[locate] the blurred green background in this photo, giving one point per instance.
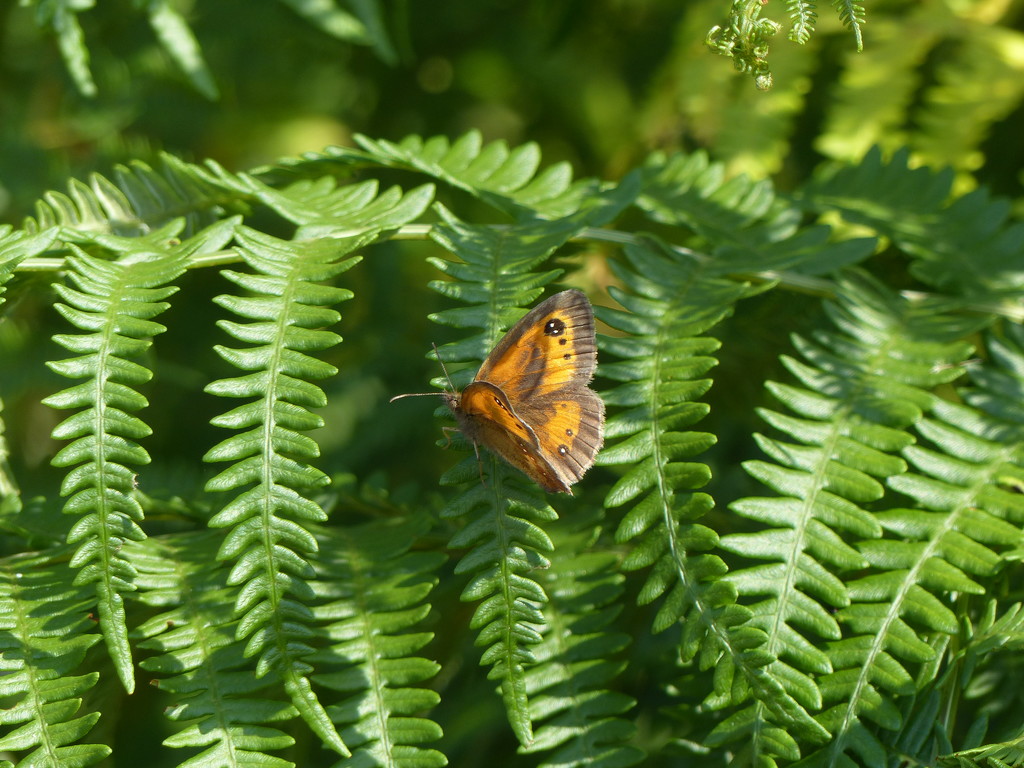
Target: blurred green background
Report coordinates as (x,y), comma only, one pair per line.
(599,83)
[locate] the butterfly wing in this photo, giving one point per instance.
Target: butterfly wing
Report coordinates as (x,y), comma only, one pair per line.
(486,417)
(530,403)
(552,347)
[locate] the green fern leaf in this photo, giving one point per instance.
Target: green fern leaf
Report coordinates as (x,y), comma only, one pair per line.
(964,245)
(372,589)
(15,247)
(364,27)
(138,200)
(862,389)
(803,17)
(181,45)
(505,178)
(502,508)
(670,305)
(322,208)
(42,695)
(62,16)
(113,303)
(270,541)
(751,229)
(579,717)
(226,710)
(851,14)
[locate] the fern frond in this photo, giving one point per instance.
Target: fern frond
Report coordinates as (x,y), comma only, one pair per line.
(751,228)
(505,178)
(505,543)
(113,303)
(136,201)
(363,27)
(966,246)
(320,207)
(579,716)
(15,247)
(62,16)
(851,14)
(373,591)
(45,632)
(976,85)
(269,541)
(227,711)
(671,304)
(181,45)
(802,17)
(861,389)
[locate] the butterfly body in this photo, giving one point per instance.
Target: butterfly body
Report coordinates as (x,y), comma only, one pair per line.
(529,402)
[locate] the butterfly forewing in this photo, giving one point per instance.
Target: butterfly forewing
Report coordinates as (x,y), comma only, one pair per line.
(550,348)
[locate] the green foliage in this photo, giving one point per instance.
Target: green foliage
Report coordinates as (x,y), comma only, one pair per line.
(44,637)
(850,599)
(113,303)
(179,43)
(746,37)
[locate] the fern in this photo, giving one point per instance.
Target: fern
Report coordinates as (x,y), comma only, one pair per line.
(268,542)
(506,179)
(670,304)
(140,201)
(228,712)
(802,17)
(752,229)
(851,14)
(45,633)
(373,591)
(851,613)
(113,303)
(62,15)
(580,718)
(745,36)
(860,391)
(501,512)
(363,27)
(966,246)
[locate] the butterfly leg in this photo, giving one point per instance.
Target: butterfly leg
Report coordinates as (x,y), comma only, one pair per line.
(476,449)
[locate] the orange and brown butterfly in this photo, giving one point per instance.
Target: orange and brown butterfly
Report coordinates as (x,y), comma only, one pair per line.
(529,402)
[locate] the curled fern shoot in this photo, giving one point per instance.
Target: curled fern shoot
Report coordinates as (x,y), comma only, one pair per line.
(269,541)
(113,303)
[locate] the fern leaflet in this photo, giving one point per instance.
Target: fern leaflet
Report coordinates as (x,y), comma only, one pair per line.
(45,632)
(580,718)
(669,305)
(113,303)
(373,589)
(269,541)
(861,389)
(506,543)
(228,711)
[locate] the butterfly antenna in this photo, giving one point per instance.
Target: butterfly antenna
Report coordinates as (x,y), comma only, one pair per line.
(437,354)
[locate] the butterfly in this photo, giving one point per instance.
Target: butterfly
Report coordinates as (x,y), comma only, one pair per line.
(530,404)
